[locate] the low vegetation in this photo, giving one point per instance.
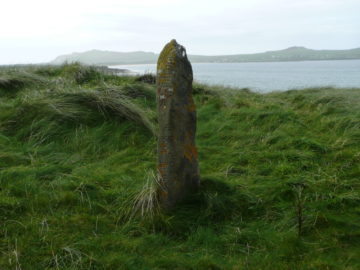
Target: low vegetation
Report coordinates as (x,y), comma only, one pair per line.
(280,176)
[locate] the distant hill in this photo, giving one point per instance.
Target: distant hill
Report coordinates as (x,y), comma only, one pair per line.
(97,57)
(289,54)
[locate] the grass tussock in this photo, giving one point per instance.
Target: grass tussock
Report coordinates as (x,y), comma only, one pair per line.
(11,83)
(279,172)
(109,103)
(145,204)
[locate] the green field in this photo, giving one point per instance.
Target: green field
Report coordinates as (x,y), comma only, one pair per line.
(280,177)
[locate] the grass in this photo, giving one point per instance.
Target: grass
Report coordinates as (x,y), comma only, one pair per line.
(280,177)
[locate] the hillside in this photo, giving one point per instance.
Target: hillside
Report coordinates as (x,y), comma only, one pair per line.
(280,177)
(96,57)
(289,54)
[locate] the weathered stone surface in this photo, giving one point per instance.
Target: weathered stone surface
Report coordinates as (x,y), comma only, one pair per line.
(177,153)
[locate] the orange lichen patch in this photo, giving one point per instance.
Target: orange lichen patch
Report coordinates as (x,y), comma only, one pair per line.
(163,148)
(189,135)
(191,152)
(163,194)
(194,152)
(162,165)
(163,79)
(191,105)
(163,144)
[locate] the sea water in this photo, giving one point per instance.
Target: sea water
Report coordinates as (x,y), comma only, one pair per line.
(271,76)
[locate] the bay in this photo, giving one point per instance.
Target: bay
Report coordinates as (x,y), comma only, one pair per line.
(271,76)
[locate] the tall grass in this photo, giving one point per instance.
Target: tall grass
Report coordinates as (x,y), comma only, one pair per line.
(279,174)
(146,202)
(11,83)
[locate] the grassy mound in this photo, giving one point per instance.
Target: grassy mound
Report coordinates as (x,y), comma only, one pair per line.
(280,177)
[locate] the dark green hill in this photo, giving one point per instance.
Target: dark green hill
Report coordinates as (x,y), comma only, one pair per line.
(97,57)
(280,177)
(290,54)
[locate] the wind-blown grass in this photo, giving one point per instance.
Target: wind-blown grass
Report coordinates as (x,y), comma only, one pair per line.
(11,83)
(280,178)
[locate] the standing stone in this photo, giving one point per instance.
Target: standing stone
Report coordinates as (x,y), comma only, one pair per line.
(177,153)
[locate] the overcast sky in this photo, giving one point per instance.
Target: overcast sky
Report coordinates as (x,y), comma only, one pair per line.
(39,30)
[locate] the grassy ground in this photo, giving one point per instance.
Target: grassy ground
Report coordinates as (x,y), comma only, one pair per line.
(280,176)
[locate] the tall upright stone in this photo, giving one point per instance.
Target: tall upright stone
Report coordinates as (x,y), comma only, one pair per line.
(177,153)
